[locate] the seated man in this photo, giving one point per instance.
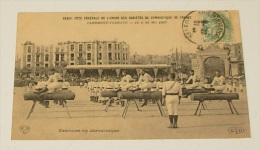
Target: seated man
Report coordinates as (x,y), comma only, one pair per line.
(54,82)
(218,82)
(126,81)
(192,81)
(145,83)
(40,84)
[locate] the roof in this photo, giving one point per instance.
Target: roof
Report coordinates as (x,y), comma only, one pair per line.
(116,66)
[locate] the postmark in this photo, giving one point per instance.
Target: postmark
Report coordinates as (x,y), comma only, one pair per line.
(203,27)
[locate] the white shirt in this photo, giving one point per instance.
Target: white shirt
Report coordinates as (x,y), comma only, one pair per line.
(145,78)
(218,81)
(54,78)
(168,87)
(126,78)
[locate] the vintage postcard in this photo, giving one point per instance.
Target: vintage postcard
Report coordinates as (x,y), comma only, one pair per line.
(129,75)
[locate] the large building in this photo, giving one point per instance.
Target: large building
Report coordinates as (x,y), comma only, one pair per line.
(75,53)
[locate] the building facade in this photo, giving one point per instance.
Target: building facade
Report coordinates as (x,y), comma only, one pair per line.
(75,53)
(228,59)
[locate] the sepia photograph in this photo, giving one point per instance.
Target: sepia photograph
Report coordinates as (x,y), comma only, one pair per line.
(129,76)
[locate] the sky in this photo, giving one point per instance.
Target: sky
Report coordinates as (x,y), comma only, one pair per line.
(156,38)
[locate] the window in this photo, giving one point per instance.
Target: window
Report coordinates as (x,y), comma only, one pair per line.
(72,57)
(80,48)
(100,63)
(100,46)
(89,63)
(28,65)
(110,56)
(80,55)
(89,56)
(57,58)
(29,57)
(118,46)
(38,49)
(72,47)
(71,63)
(109,46)
(46,65)
(37,65)
(115,56)
(62,57)
(29,49)
(46,57)
(99,56)
(115,46)
(89,46)
(123,56)
(56,64)
(119,56)
(37,58)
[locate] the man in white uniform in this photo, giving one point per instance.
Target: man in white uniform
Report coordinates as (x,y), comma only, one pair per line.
(192,81)
(145,83)
(218,82)
(54,82)
(171,93)
(126,81)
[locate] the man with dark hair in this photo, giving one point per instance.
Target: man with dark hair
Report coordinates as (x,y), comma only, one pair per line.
(171,93)
(145,83)
(192,81)
(54,82)
(218,82)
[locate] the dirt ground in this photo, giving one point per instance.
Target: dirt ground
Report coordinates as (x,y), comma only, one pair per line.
(90,122)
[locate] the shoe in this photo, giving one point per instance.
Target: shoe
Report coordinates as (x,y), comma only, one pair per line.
(175,126)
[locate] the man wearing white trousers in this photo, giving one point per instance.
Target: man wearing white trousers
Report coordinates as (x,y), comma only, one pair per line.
(172,92)
(218,82)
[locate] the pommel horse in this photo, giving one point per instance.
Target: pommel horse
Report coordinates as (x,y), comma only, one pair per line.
(134,95)
(201,97)
(62,95)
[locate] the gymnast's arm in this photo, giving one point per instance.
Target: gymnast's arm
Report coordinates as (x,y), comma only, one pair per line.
(190,77)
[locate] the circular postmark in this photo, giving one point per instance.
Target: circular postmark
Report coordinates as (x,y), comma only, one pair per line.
(203,26)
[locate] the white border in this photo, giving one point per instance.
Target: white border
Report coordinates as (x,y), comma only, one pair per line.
(249,18)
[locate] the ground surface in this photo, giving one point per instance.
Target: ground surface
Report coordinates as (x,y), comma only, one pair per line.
(53,123)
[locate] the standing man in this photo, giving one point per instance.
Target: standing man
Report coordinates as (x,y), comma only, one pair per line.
(218,82)
(171,93)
